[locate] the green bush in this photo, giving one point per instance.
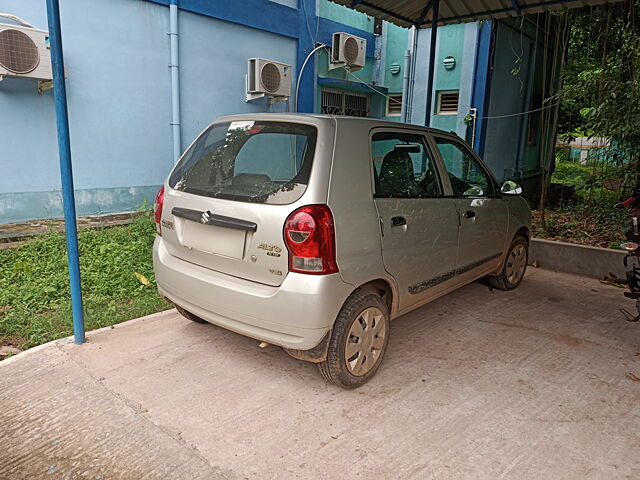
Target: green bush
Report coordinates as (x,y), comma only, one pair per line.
(573,174)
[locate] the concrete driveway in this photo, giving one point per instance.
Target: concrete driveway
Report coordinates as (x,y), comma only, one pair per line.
(479,384)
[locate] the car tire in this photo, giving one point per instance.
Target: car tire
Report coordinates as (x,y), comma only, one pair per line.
(358,341)
(190,315)
(515,265)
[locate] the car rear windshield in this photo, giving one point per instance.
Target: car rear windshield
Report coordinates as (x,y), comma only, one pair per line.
(248,161)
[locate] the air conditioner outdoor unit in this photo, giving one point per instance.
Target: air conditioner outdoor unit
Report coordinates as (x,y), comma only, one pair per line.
(24,52)
(268,78)
(348,51)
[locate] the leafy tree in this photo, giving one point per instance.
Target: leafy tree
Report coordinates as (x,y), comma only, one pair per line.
(600,95)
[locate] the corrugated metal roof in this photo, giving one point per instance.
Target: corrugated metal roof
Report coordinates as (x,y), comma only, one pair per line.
(418,12)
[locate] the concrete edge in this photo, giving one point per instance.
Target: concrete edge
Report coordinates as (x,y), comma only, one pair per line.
(65,340)
(577,259)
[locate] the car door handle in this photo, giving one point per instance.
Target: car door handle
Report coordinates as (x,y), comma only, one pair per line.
(469,214)
(398,221)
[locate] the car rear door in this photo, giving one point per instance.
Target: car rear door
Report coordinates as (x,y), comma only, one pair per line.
(483,214)
(418,223)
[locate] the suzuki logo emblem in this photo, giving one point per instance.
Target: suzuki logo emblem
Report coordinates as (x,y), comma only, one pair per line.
(205,217)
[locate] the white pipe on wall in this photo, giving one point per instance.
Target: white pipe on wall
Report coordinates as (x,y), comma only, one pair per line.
(174,65)
(405,85)
(413,49)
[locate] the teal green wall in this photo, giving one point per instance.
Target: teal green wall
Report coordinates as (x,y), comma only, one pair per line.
(449,45)
(365,75)
(396,46)
(348,16)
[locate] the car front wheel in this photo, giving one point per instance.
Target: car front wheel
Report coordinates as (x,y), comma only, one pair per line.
(358,341)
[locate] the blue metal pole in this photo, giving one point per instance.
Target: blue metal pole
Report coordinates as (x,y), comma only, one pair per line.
(432,61)
(66,174)
(174,65)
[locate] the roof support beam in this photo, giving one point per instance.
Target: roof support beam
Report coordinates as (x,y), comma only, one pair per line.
(516,7)
(424,13)
(432,62)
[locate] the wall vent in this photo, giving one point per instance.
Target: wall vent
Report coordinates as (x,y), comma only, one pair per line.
(447,103)
(394,105)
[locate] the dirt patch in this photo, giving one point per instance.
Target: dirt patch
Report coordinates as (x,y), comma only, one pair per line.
(13,234)
(567,340)
(8,350)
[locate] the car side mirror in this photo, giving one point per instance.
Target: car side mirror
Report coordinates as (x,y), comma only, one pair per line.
(509,187)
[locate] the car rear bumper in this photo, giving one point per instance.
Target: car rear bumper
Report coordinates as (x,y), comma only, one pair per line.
(295,315)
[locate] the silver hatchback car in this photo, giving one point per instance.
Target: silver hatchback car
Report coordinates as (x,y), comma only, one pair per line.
(312,232)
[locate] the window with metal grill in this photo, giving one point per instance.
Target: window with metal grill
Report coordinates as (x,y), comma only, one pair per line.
(344,102)
(447,103)
(394,105)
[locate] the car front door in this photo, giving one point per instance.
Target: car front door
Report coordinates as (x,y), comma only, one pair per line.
(483,215)
(418,223)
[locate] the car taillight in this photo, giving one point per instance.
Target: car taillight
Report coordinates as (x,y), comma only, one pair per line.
(310,238)
(157,209)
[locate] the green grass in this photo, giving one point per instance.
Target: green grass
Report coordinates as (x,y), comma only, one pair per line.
(35,304)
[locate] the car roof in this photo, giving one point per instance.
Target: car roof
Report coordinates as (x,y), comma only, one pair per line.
(293,117)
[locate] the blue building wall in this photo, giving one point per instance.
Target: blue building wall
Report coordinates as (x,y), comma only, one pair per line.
(117,113)
(213,64)
(117,56)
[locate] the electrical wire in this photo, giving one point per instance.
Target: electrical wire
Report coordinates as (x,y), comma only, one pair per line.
(306,20)
(520,113)
(16,19)
(370,87)
(304,64)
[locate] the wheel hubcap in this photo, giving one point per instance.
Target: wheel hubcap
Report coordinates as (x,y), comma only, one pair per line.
(365,341)
(516,263)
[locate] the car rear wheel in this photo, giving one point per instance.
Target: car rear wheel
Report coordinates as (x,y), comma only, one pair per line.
(514,266)
(190,315)
(358,341)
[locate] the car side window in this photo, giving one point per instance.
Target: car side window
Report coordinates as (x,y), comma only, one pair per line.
(468,178)
(403,167)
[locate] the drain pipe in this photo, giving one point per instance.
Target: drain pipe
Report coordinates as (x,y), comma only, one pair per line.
(405,85)
(174,65)
(412,72)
